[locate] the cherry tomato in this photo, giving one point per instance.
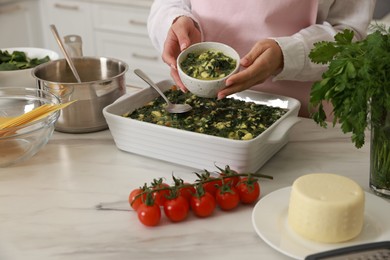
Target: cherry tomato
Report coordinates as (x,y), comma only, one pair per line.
(176,209)
(149,213)
(227,197)
(212,186)
(248,190)
(232,181)
(204,205)
(134,199)
(229,176)
(160,196)
(185,188)
(207,181)
(187,192)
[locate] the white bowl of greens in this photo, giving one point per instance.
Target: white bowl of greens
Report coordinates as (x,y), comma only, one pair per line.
(16,65)
(204,67)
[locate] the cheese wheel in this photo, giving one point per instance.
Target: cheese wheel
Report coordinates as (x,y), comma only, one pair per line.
(326,208)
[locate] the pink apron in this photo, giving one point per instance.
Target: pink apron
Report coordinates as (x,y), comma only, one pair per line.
(243,24)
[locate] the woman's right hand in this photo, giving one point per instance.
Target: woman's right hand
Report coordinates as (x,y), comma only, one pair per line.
(183,33)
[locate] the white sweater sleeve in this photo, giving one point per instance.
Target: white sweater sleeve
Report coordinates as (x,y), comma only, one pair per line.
(161,16)
(337,16)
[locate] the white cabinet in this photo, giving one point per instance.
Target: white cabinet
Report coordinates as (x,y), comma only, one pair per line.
(108,29)
(136,51)
(20,24)
(120,32)
(69,17)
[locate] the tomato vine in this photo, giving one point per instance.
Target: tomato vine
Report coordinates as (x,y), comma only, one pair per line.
(208,192)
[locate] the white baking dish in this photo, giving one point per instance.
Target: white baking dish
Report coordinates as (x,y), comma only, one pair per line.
(197,150)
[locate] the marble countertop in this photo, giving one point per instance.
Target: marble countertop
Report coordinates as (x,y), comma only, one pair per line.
(70,200)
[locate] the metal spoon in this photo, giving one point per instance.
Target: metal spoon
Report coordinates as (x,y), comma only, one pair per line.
(67,57)
(171,108)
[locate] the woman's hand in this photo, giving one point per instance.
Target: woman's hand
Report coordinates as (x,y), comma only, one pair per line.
(264,60)
(182,34)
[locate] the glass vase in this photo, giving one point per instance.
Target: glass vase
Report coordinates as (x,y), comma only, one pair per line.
(380,155)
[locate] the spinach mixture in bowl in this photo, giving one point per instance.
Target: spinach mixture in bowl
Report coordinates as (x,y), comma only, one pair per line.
(228,117)
(208,65)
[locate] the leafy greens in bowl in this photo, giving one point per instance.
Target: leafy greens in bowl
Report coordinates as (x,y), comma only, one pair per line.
(204,67)
(16,65)
(18,60)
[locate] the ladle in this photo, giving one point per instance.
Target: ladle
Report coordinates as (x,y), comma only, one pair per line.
(67,57)
(171,108)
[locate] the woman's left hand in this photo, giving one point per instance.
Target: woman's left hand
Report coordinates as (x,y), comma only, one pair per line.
(264,60)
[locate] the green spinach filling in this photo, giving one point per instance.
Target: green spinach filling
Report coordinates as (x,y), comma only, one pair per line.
(208,65)
(228,117)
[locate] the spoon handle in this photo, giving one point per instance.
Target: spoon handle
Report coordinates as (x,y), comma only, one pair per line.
(67,57)
(143,76)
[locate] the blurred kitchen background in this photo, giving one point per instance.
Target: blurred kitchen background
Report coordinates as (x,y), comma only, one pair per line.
(110,28)
(382,9)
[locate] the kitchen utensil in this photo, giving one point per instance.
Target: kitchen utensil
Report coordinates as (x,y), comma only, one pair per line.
(67,57)
(171,108)
(198,150)
(22,77)
(103,83)
(73,44)
(19,143)
(368,251)
(207,88)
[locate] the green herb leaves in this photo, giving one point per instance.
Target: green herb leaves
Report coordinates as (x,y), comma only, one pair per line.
(325,51)
(357,82)
(18,60)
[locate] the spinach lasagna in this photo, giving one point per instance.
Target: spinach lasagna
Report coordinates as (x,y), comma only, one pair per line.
(228,117)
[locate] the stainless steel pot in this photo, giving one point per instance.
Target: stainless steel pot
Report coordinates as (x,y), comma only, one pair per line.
(103,81)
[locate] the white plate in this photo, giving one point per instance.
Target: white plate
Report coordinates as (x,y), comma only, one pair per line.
(269,218)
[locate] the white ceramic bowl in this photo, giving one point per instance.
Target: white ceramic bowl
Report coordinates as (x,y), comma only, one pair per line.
(20,143)
(206,88)
(24,78)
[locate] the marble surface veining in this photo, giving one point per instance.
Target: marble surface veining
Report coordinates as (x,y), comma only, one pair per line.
(70,200)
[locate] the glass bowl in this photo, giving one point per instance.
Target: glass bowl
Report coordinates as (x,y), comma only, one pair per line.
(20,143)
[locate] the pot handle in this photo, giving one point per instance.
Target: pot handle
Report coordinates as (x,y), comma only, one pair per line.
(73,44)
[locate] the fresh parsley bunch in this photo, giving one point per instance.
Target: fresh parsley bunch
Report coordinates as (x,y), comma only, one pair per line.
(357,82)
